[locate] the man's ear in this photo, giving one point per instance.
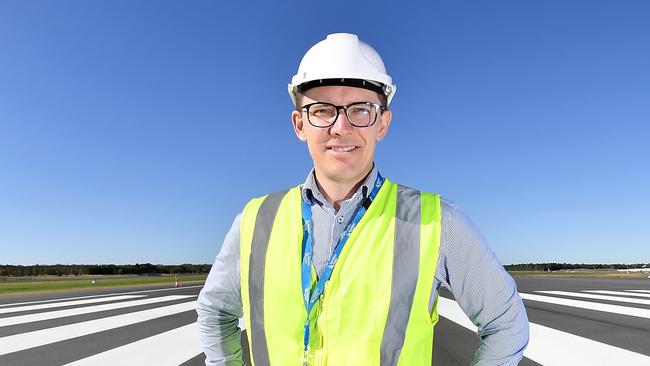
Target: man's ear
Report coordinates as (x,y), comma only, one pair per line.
(298,125)
(384,123)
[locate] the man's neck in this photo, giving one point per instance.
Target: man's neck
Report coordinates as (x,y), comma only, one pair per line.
(336,192)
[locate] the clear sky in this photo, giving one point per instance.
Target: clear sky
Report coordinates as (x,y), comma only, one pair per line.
(135,131)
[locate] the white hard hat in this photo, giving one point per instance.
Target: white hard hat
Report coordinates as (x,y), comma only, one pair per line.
(342,59)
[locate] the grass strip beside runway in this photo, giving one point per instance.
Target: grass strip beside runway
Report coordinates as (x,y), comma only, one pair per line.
(45,284)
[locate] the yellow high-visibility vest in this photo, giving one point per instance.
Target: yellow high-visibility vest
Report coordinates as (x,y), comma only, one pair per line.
(377,307)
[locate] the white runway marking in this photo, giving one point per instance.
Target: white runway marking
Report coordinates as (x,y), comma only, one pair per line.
(169,348)
(452,311)
(19,342)
(21,319)
(160,289)
(67,303)
(619,293)
(549,346)
(597,297)
(54,300)
(616,309)
(94,296)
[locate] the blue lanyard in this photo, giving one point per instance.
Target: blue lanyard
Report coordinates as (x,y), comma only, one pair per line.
(311,297)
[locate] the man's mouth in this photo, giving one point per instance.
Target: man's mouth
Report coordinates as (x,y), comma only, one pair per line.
(341,148)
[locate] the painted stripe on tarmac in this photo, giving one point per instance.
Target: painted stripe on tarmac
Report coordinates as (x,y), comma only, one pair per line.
(21,319)
(646,291)
(171,348)
(452,311)
(22,341)
(616,309)
(618,293)
(94,296)
(597,297)
(54,300)
(159,290)
(67,303)
(549,346)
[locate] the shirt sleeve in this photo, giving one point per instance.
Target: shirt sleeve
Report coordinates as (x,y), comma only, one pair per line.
(483,289)
(219,305)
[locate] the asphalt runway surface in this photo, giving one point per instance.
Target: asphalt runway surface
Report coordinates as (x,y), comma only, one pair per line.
(573,321)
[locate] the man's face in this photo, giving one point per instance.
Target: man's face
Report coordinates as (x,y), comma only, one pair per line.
(341,153)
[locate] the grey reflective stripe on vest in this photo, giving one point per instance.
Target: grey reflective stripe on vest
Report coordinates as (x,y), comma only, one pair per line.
(261,234)
(406,264)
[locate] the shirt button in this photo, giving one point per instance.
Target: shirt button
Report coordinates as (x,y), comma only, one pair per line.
(340,219)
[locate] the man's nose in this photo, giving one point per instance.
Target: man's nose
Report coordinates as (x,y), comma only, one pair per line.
(341,124)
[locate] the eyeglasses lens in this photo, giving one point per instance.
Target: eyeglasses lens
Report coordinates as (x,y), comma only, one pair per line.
(359,114)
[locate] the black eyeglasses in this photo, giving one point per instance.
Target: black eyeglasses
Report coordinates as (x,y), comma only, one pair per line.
(360,114)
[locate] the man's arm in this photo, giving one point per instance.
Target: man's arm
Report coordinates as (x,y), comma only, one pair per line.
(483,289)
(219,305)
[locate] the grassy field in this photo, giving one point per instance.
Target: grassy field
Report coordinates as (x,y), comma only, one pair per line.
(596,274)
(16,285)
(19,285)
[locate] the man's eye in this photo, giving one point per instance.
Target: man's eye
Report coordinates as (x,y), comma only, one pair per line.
(361,110)
(323,111)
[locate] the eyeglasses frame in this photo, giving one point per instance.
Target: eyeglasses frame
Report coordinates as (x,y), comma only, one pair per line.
(380,108)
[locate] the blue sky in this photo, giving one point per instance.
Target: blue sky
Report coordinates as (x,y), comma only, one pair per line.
(134,131)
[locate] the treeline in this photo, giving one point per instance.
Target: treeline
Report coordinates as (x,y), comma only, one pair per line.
(160,269)
(546,267)
(101,269)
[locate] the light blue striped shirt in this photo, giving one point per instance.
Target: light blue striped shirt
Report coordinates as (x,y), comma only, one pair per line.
(466,266)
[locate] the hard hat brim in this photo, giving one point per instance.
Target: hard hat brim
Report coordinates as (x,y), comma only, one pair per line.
(356,83)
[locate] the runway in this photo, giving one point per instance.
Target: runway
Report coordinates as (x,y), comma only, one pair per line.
(573,321)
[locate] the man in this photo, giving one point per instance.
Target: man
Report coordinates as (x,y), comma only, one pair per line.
(345,269)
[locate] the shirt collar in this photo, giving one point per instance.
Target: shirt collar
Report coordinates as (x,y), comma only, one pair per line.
(311,194)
